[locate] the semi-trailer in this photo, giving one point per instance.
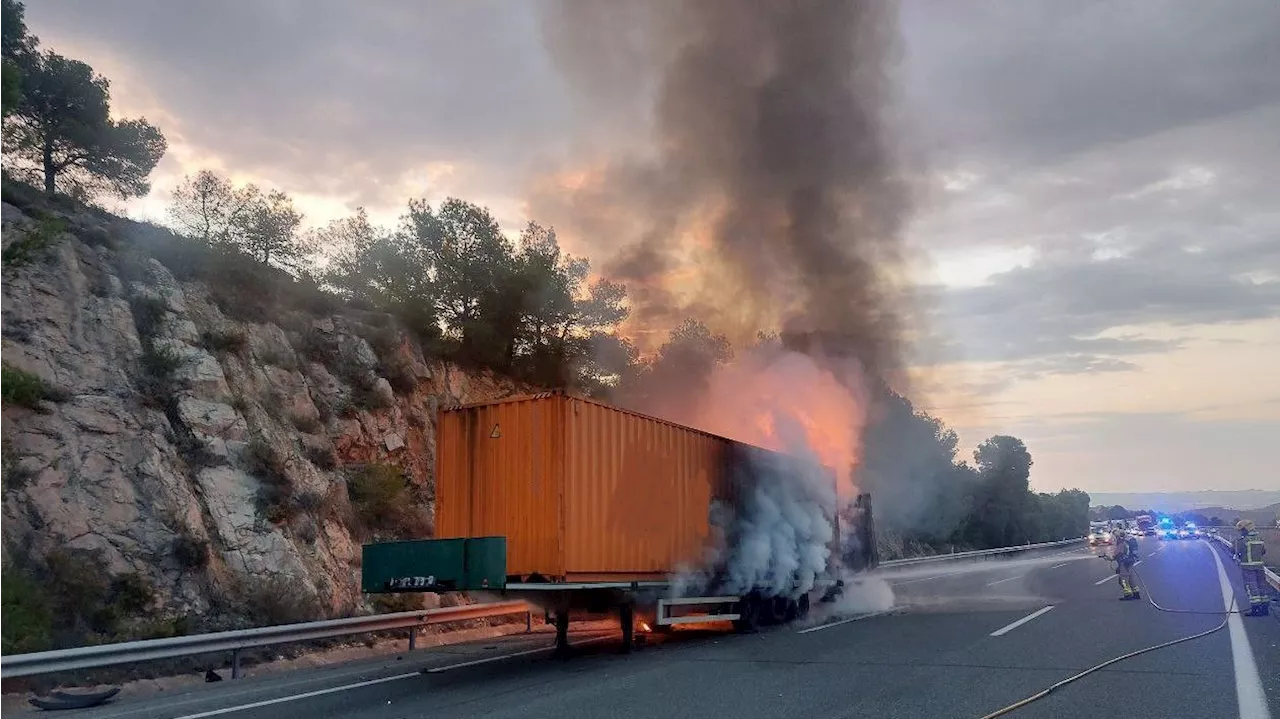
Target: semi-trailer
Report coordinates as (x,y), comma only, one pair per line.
(576,505)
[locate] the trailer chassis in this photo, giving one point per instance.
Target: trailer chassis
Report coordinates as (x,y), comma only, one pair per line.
(746,612)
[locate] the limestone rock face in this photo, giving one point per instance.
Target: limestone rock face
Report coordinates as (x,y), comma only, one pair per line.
(132,460)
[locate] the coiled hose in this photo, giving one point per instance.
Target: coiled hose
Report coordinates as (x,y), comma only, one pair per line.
(1225,613)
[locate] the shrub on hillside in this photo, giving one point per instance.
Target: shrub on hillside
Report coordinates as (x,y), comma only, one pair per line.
(276,493)
(25,389)
(35,243)
(279,600)
(385,503)
(28,619)
(229,341)
(191,551)
(77,602)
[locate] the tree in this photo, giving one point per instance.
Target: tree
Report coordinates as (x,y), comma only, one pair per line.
(911,467)
(272,231)
(1117,513)
(208,207)
(263,226)
(1003,503)
(15,42)
(559,318)
(387,270)
(61,128)
(678,373)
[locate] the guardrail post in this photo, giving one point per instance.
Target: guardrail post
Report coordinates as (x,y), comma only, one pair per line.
(528,621)
(413,638)
(235,663)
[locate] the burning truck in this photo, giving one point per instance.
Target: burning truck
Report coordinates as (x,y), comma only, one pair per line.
(580,507)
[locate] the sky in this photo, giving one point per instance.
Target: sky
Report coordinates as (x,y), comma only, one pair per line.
(1095,229)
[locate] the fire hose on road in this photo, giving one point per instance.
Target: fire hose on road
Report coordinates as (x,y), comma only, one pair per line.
(1224,613)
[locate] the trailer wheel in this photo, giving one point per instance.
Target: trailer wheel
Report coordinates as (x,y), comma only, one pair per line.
(777,610)
(748,613)
(802,606)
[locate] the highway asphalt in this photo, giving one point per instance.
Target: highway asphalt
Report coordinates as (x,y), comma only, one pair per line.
(962,641)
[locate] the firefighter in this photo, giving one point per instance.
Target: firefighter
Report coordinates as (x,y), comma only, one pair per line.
(1250,550)
(1125,556)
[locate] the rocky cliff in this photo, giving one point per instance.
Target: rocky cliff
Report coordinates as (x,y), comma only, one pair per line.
(193,447)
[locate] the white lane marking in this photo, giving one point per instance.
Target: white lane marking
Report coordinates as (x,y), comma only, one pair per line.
(1006,579)
(304,695)
(1060,565)
(829,625)
(1152,554)
(526,652)
(1010,627)
(922,579)
(1104,580)
(1249,695)
(371,682)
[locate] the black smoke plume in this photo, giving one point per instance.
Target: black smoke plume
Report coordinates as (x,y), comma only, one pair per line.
(769,198)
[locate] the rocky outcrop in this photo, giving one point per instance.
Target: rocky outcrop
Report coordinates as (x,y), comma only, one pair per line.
(196,449)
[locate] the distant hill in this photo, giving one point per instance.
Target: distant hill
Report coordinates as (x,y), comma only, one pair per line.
(1263,517)
(1225,501)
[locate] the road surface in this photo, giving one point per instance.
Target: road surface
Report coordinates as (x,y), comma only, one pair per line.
(961,642)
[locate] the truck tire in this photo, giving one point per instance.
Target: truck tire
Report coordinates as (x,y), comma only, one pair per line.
(748,614)
(777,610)
(802,606)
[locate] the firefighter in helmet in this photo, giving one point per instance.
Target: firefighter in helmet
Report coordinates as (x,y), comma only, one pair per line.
(1125,556)
(1250,549)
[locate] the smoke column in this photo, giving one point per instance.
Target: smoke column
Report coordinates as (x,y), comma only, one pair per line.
(767,199)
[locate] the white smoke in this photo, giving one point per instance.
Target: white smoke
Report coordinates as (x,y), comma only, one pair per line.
(776,537)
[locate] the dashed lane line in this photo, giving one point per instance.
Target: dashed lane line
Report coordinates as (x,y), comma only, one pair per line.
(829,625)
(1007,579)
(304,695)
(371,682)
(1010,627)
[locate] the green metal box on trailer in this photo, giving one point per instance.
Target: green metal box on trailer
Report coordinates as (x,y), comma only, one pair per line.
(434,565)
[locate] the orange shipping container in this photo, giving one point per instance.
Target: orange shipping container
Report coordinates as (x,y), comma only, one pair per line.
(581,490)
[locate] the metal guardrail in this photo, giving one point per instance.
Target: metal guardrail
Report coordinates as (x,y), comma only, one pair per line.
(977,553)
(105,655)
(1272,578)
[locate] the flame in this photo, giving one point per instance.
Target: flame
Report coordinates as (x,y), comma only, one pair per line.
(786,402)
(644,626)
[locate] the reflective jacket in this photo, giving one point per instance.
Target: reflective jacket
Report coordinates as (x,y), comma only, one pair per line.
(1251,550)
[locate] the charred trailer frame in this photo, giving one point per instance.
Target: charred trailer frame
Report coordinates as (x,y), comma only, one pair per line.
(575,505)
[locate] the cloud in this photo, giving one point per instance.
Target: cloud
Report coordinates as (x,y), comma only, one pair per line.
(1034,81)
(1154,451)
(345,100)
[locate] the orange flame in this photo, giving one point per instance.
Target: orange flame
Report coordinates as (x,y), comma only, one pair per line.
(787,403)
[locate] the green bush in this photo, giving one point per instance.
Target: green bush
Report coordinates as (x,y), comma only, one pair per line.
(385,504)
(275,497)
(28,620)
(148,315)
(35,243)
(229,341)
(190,551)
(277,600)
(377,491)
(160,364)
(25,389)
(321,456)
